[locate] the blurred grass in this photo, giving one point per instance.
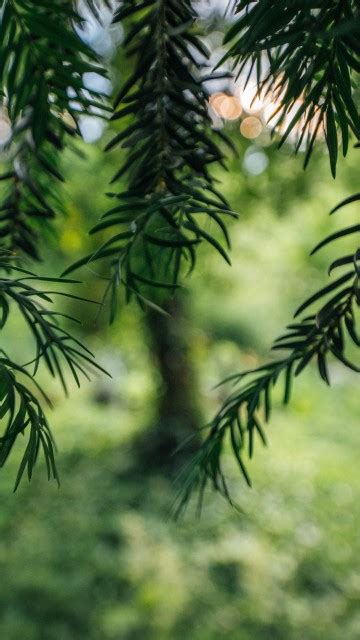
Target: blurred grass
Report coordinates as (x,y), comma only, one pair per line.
(100,559)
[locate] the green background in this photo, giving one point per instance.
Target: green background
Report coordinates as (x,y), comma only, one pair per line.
(100,558)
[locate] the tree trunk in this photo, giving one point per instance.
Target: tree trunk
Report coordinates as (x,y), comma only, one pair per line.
(178,416)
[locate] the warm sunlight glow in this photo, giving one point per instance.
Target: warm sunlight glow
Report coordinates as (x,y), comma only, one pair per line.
(262,113)
(225,106)
(250,101)
(251,127)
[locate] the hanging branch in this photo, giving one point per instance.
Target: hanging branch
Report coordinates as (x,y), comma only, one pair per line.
(305,55)
(157,222)
(20,407)
(315,337)
(22,411)
(42,64)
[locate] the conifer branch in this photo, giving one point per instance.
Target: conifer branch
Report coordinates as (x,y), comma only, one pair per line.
(316,337)
(157,222)
(43,61)
(306,57)
(42,65)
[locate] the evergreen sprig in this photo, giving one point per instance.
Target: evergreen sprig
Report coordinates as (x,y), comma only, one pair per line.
(314,337)
(21,409)
(306,56)
(157,222)
(42,65)
(29,198)
(43,62)
(55,346)
(41,40)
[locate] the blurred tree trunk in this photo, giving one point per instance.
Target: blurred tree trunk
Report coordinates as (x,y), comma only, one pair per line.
(178,415)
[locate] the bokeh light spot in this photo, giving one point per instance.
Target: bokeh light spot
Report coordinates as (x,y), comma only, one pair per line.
(255,161)
(225,106)
(251,127)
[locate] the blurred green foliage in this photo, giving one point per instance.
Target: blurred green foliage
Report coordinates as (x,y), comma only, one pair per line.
(100,558)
